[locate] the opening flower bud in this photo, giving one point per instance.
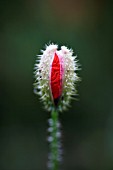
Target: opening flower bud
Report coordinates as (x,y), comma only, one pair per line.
(55,77)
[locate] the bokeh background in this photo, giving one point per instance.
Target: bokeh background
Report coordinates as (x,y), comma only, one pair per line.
(87,127)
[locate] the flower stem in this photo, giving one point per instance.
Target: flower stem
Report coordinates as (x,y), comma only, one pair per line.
(54,141)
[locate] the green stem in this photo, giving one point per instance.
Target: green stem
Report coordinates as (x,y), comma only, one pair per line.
(54,140)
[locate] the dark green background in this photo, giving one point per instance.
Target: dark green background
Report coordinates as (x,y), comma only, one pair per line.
(25,27)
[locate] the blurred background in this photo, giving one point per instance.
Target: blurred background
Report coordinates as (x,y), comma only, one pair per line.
(87,127)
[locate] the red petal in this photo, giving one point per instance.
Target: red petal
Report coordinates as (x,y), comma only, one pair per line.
(56,83)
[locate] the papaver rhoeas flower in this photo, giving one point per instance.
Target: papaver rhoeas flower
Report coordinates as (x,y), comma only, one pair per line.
(56,76)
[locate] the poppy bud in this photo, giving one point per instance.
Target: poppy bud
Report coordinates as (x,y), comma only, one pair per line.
(55,77)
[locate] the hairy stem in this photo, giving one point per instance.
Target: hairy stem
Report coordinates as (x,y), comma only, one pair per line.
(54,139)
